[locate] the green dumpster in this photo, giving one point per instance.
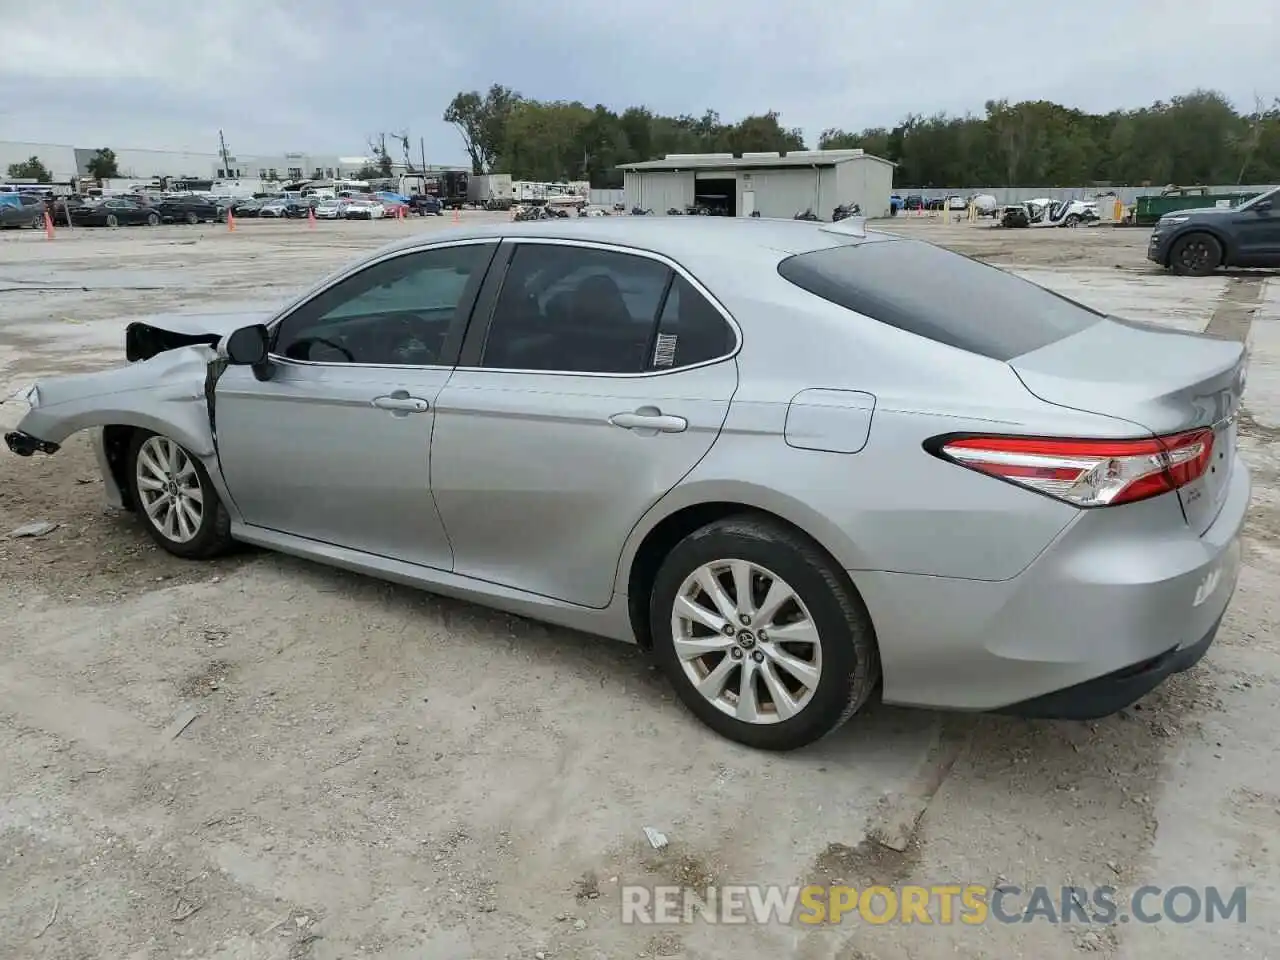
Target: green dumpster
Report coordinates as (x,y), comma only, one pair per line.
(1152,207)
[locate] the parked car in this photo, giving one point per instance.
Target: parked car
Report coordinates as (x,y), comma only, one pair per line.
(278,208)
(672,432)
(1197,242)
(331,209)
(190,208)
(21,210)
(115,212)
(427,205)
(394,208)
(247,207)
(957,203)
(364,210)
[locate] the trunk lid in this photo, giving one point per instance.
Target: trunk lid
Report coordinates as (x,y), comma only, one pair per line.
(1164,381)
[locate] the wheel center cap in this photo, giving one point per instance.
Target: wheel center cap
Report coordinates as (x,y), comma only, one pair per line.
(746,639)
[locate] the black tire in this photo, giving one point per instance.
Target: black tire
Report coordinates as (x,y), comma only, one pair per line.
(213,534)
(37,223)
(192,218)
(1073,220)
(112,221)
(153,220)
(1195,255)
(850,658)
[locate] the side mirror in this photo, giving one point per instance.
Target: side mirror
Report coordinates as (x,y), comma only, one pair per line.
(1262,206)
(246,347)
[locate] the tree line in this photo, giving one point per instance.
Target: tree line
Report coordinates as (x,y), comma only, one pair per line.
(1197,138)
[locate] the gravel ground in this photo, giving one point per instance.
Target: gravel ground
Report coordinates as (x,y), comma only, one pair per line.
(264,758)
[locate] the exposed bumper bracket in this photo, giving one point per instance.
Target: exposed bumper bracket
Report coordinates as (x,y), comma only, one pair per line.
(24,444)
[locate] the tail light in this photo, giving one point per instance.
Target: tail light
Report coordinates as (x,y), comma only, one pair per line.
(1087,473)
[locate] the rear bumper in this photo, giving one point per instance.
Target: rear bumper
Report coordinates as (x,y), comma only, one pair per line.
(1105,695)
(1122,598)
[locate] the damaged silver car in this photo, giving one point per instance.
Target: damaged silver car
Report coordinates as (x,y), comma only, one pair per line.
(796,460)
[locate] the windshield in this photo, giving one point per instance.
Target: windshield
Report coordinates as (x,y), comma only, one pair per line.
(1269,195)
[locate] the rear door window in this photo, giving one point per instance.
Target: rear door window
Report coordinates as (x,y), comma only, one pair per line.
(940,295)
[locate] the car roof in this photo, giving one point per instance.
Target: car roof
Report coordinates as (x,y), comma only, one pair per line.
(685,238)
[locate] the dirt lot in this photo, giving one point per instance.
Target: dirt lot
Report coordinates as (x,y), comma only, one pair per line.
(375,771)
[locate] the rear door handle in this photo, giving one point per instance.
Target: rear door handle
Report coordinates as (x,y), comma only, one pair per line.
(402,404)
(645,421)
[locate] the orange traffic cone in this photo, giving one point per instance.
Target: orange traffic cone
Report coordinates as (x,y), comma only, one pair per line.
(231,221)
(48,225)
(311,218)
(456,217)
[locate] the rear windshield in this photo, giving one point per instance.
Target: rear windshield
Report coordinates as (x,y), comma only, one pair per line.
(941,295)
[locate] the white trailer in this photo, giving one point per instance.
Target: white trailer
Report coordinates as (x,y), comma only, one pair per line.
(493,190)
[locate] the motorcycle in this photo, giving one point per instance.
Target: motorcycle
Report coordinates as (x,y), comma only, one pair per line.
(641,212)
(807,215)
(846,210)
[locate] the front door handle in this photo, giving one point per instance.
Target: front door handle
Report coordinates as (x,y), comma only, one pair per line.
(649,420)
(401,402)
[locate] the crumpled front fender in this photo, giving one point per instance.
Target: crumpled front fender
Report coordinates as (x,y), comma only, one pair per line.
(166,394)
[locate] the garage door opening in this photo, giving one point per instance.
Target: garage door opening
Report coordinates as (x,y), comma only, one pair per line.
(719,198)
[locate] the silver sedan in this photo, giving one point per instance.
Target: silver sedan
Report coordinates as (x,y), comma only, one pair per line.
(799,462)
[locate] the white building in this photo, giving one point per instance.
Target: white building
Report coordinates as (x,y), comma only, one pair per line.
(775,185)
(66,162)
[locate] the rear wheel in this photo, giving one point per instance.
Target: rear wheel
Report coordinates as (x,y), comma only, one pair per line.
(1073,220)
(192,219)
(153,220)
(761,634)
(1195,255)
(37,222)
(175,499)
(112,221)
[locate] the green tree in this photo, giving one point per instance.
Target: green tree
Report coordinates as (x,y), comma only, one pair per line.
(103,164)
(481,120)
(1197,137)
(32,168)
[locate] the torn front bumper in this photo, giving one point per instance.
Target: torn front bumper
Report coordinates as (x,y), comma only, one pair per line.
(165,395)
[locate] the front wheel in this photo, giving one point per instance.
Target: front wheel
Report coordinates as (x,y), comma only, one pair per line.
(192,219)
(112,221)
(175,499)
(1073,220)
(761,634)
(1195,255)
(153,220)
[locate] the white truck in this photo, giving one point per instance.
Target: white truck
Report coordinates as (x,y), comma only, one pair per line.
(493,191)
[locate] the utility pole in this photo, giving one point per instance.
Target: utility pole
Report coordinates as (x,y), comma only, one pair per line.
(422,146)
(226,157)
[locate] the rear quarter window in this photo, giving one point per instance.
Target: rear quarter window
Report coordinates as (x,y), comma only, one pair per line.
(940,295)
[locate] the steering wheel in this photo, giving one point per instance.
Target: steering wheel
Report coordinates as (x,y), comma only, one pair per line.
(308,341)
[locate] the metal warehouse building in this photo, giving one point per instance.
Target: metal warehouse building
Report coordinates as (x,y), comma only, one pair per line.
(776,185)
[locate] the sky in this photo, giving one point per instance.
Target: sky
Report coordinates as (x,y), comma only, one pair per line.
(322,76)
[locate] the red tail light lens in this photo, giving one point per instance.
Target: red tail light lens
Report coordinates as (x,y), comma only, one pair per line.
(1088,473)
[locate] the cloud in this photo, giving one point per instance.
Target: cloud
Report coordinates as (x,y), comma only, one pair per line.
(323,76)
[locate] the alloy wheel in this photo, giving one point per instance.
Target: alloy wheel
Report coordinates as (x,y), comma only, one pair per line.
(1195,255)
(169,488)
(746,641)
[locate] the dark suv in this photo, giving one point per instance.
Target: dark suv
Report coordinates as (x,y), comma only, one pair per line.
(1194,243)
